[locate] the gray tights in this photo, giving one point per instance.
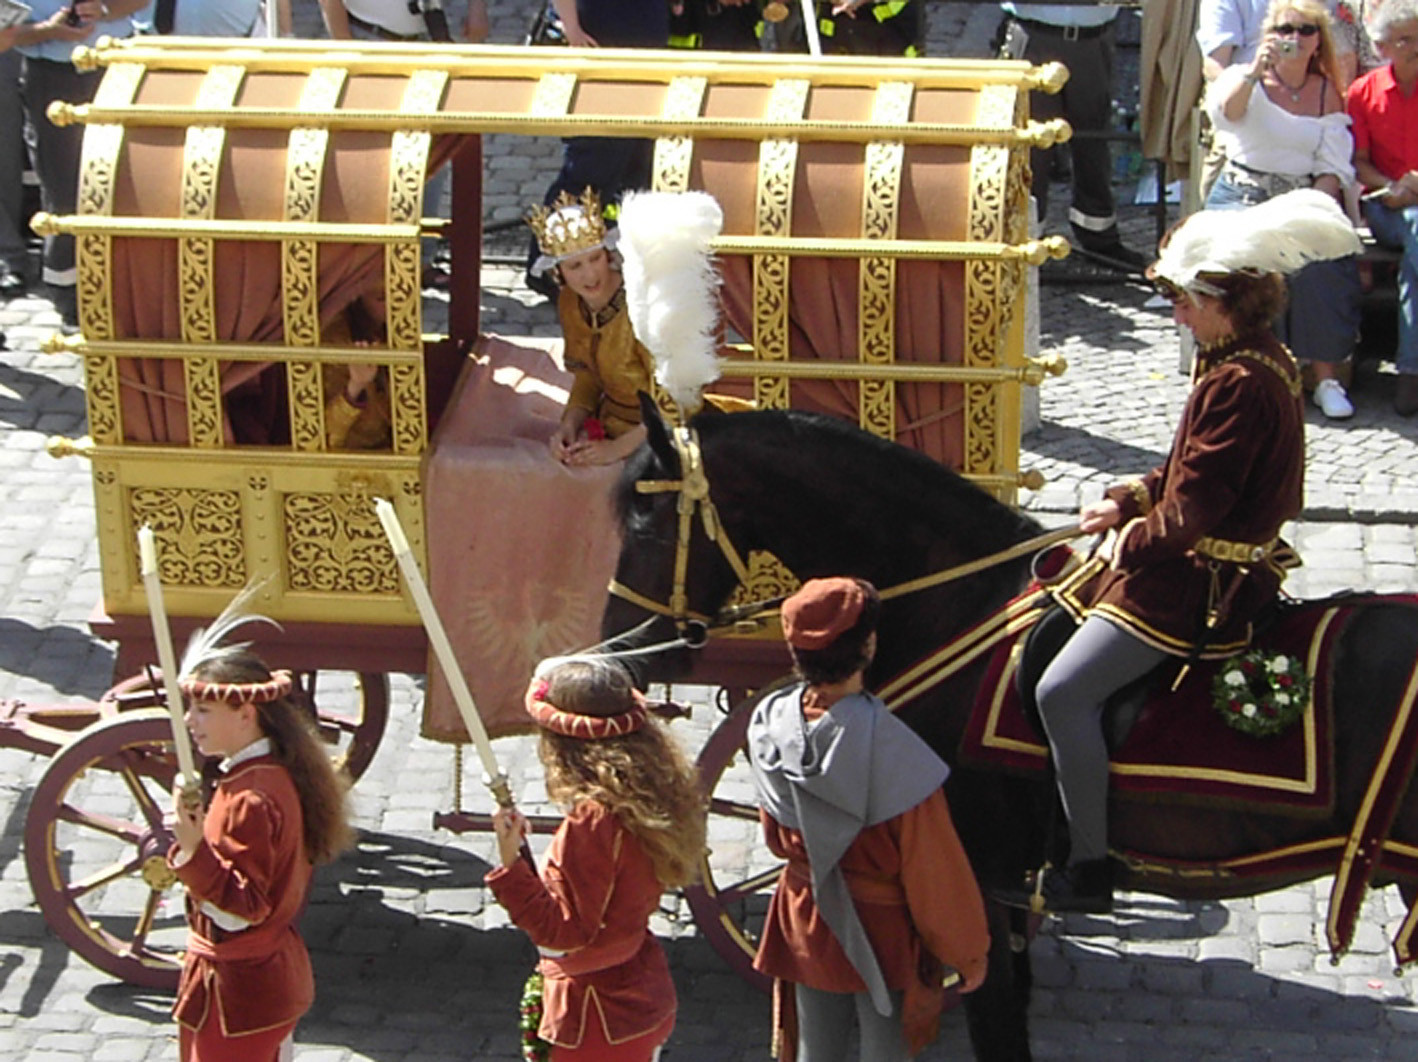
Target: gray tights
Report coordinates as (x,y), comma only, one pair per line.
(1095,662)
(825,1025)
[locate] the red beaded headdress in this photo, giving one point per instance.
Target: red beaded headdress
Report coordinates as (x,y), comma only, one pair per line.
(238,693)
(587,727)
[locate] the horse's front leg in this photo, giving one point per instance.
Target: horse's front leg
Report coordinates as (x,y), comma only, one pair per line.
(997,1013)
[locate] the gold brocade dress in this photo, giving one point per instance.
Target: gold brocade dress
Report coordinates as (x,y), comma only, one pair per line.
(610,365)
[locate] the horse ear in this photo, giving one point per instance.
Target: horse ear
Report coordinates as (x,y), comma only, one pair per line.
(657,433)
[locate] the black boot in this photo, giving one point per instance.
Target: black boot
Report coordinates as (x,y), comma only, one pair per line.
(1085,888)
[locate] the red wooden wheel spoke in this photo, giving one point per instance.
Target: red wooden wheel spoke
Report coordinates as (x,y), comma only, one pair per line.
(139,944)
(148,806)
(105,824)
(97,880)
(733,809)
(748,886)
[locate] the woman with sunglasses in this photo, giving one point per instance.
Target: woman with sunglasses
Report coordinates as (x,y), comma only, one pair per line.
(1284,124)
(1191,554)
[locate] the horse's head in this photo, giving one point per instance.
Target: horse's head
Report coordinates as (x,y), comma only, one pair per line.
(678,563)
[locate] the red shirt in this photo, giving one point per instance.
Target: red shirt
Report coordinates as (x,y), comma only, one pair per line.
(592,903)
(251,864)
(1385,122)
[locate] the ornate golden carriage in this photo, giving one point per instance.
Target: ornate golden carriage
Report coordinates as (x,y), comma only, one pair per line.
(235,197)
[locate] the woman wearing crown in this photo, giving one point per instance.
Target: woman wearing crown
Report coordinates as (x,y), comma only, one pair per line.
(601,423)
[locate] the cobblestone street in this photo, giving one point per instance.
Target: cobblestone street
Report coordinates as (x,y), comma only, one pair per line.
(416,963)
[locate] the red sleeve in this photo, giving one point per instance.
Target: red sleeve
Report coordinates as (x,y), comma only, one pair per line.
(563,909)
(941,892)
(234,866)
(1358,108)
(1226,427)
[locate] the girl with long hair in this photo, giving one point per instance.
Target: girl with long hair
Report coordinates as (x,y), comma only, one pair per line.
(277,810)
(634,826)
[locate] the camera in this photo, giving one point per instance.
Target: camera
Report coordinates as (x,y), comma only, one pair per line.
(1287,47)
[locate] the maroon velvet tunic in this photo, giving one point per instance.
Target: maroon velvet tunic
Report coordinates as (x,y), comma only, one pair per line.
(1235,472)
(251,864)
(592,902)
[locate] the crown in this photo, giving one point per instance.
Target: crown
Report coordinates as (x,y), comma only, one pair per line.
(570,226)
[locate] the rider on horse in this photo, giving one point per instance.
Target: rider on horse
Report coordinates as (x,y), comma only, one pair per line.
(1192,553)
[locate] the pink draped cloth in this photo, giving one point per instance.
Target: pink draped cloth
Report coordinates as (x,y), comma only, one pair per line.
(520,547)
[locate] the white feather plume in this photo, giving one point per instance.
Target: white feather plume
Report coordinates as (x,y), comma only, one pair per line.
(206,641)
(671,286)
(1277,236)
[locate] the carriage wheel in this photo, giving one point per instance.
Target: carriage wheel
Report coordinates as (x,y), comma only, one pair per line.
(739,873)
(354,733)
(96,844)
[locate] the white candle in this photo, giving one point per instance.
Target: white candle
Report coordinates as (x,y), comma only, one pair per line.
(162,638)
(393,530)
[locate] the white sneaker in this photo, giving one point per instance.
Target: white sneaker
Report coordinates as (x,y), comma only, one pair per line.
(1333,402)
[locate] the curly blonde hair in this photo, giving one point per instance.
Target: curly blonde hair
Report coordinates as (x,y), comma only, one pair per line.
(643,778)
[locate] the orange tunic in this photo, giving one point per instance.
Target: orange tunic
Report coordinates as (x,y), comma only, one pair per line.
(593,904)
(913,888)
(251,865)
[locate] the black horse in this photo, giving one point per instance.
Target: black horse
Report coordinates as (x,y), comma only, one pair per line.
(829,499)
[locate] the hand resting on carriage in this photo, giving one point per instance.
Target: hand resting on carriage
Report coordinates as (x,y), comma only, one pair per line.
(571,445)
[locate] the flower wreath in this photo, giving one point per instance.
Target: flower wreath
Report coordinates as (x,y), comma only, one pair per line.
(529,1020)
(1261,694)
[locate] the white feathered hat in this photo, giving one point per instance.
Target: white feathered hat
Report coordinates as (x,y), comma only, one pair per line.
(1277,236)
(672,288)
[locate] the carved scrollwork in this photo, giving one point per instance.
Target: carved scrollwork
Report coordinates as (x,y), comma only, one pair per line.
(876,295)
(683,99)
(307,405)
(101,383)
(199,534)
(768,577)
(204,393)
(406,390)
(777,172)
(334,544)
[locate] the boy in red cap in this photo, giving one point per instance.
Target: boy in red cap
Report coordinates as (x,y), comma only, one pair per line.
(877,896)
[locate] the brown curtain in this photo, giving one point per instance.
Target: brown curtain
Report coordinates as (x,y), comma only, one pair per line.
(247,292)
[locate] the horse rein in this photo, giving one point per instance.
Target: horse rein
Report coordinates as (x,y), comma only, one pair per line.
(693,491)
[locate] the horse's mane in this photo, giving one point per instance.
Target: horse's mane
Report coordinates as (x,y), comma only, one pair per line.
(904,487)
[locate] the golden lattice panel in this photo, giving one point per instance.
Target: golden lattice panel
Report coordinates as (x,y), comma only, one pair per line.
(334,544)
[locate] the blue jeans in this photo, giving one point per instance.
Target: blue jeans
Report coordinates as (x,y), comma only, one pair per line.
(1399,229)
(1321,321)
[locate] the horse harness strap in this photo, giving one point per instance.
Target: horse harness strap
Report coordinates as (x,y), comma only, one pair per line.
(693,496)
(960,571)
(1235,552)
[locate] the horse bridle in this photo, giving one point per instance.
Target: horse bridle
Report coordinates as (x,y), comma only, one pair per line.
(693,497)
(693,490)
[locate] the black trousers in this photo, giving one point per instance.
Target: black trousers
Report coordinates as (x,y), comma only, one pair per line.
(1086,102)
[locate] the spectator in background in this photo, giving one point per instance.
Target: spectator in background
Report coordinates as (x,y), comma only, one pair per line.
(1081,37)
(609,166)
(393,21)
(1283,116)
(1384,107)
(14,274)
(46,42)
(218,18)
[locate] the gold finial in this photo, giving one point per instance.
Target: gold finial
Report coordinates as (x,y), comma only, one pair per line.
(84,59)
(1047,134)
(570,226)
(61,113)
(44,223)
(59,446)
(1049,78)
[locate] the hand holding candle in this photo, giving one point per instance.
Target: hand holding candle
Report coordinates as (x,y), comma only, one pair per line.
(162,637)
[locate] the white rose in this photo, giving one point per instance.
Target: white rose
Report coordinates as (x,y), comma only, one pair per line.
(1235,678)
(1282,699)
(1279,664)
(1249,711)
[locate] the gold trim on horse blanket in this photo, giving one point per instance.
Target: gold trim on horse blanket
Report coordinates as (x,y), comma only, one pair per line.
(1180,746)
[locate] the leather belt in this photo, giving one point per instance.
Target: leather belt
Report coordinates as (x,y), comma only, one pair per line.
(1234,552)
(380,32)
(1068,33)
